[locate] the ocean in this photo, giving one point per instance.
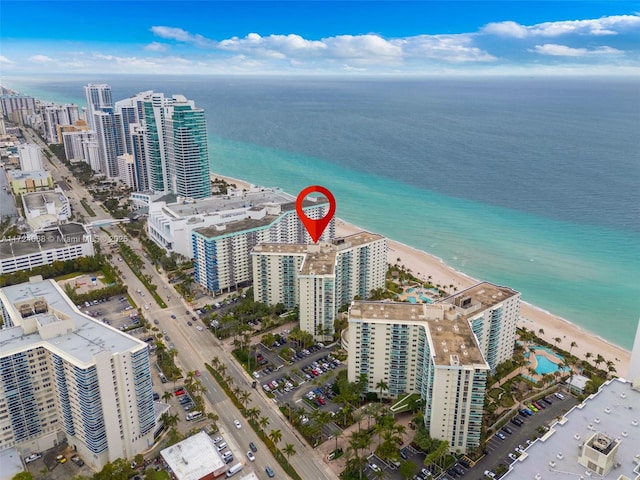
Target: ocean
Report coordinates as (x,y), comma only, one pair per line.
(529,182)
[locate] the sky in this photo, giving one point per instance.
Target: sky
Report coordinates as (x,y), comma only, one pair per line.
(329,37)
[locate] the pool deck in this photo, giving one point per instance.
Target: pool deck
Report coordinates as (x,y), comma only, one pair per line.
(533,361)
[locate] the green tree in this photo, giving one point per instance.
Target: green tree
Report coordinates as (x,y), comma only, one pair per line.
(408,469)
(264,422)
(289,450)
(275,436)
(117,470)
(22,476)
(382,385)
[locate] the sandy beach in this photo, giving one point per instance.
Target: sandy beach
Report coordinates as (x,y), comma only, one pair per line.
(424,265)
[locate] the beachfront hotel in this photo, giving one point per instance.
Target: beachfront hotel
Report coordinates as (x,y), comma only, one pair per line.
(597,438)
(319,278)
(221,251)
(66,375)
(425,349)
(493,312)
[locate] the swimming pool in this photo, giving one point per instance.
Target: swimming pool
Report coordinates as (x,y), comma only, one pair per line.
(546,366)
(412,300)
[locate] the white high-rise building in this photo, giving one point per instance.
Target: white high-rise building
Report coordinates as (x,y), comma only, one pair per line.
(425,349)
(319,278)
(30,157)
(55,116)
(127,170)
(73,144)
(107,138)
(222,251)
(493,313)
(99,99)
(67,375)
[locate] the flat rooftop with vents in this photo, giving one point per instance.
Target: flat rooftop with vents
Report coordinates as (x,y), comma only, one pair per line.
(599,438)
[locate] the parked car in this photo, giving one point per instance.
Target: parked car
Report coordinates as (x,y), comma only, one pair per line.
(559,396)
(32,458)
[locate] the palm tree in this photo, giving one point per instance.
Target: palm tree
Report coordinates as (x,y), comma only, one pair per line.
(599,359)
(166,396)
(573,344)
(243,398)
(264,421)
(253,413)
(275,436)
(169,420)
(587,356)
(215,362)
(222,369)
(288,451)
(541,331)
(382,385)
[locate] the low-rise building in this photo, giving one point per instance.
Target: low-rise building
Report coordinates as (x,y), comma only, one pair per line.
(194,458)
(63,242)
(598,438)
(46,208)
(32,181)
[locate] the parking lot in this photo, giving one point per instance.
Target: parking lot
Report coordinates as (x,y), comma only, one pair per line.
(499,451)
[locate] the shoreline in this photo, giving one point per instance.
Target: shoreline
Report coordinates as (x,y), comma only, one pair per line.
(543,323)
(424,264)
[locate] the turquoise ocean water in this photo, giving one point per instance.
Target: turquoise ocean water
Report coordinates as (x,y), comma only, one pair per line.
(534,190)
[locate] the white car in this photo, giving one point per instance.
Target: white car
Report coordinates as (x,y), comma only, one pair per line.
(489,473)
(374,467)
(199,328)
(251,456)
(237,423)
(31,458)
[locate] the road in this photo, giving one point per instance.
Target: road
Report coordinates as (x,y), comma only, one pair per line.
(195,348)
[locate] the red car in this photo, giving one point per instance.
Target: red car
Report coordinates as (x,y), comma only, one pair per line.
(197,372)
(179,392)
(321,400)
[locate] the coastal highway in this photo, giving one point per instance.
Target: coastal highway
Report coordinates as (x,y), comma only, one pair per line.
(197,347)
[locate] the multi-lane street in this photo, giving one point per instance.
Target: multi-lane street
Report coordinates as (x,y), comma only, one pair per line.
(195,348)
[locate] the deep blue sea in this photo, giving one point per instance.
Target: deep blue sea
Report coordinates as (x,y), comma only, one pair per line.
(532,183)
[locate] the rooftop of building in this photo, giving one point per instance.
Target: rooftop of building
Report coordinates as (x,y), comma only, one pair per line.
(50,238)
(33,174)
(452,340)
(220,203)
(194,458)
(36,200)
(613,413)
(236,226)
(87,338)
(320,258)
(479,297)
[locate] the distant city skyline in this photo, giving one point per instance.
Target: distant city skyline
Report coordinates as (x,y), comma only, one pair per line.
(203,37)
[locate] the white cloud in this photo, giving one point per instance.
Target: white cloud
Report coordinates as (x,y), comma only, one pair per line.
(180,35)
(565,51)
(4,59)
(611,25)
(40,59)
(156,47)
(449,48)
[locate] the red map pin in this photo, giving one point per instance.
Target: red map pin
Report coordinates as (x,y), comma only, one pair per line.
(315,227)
